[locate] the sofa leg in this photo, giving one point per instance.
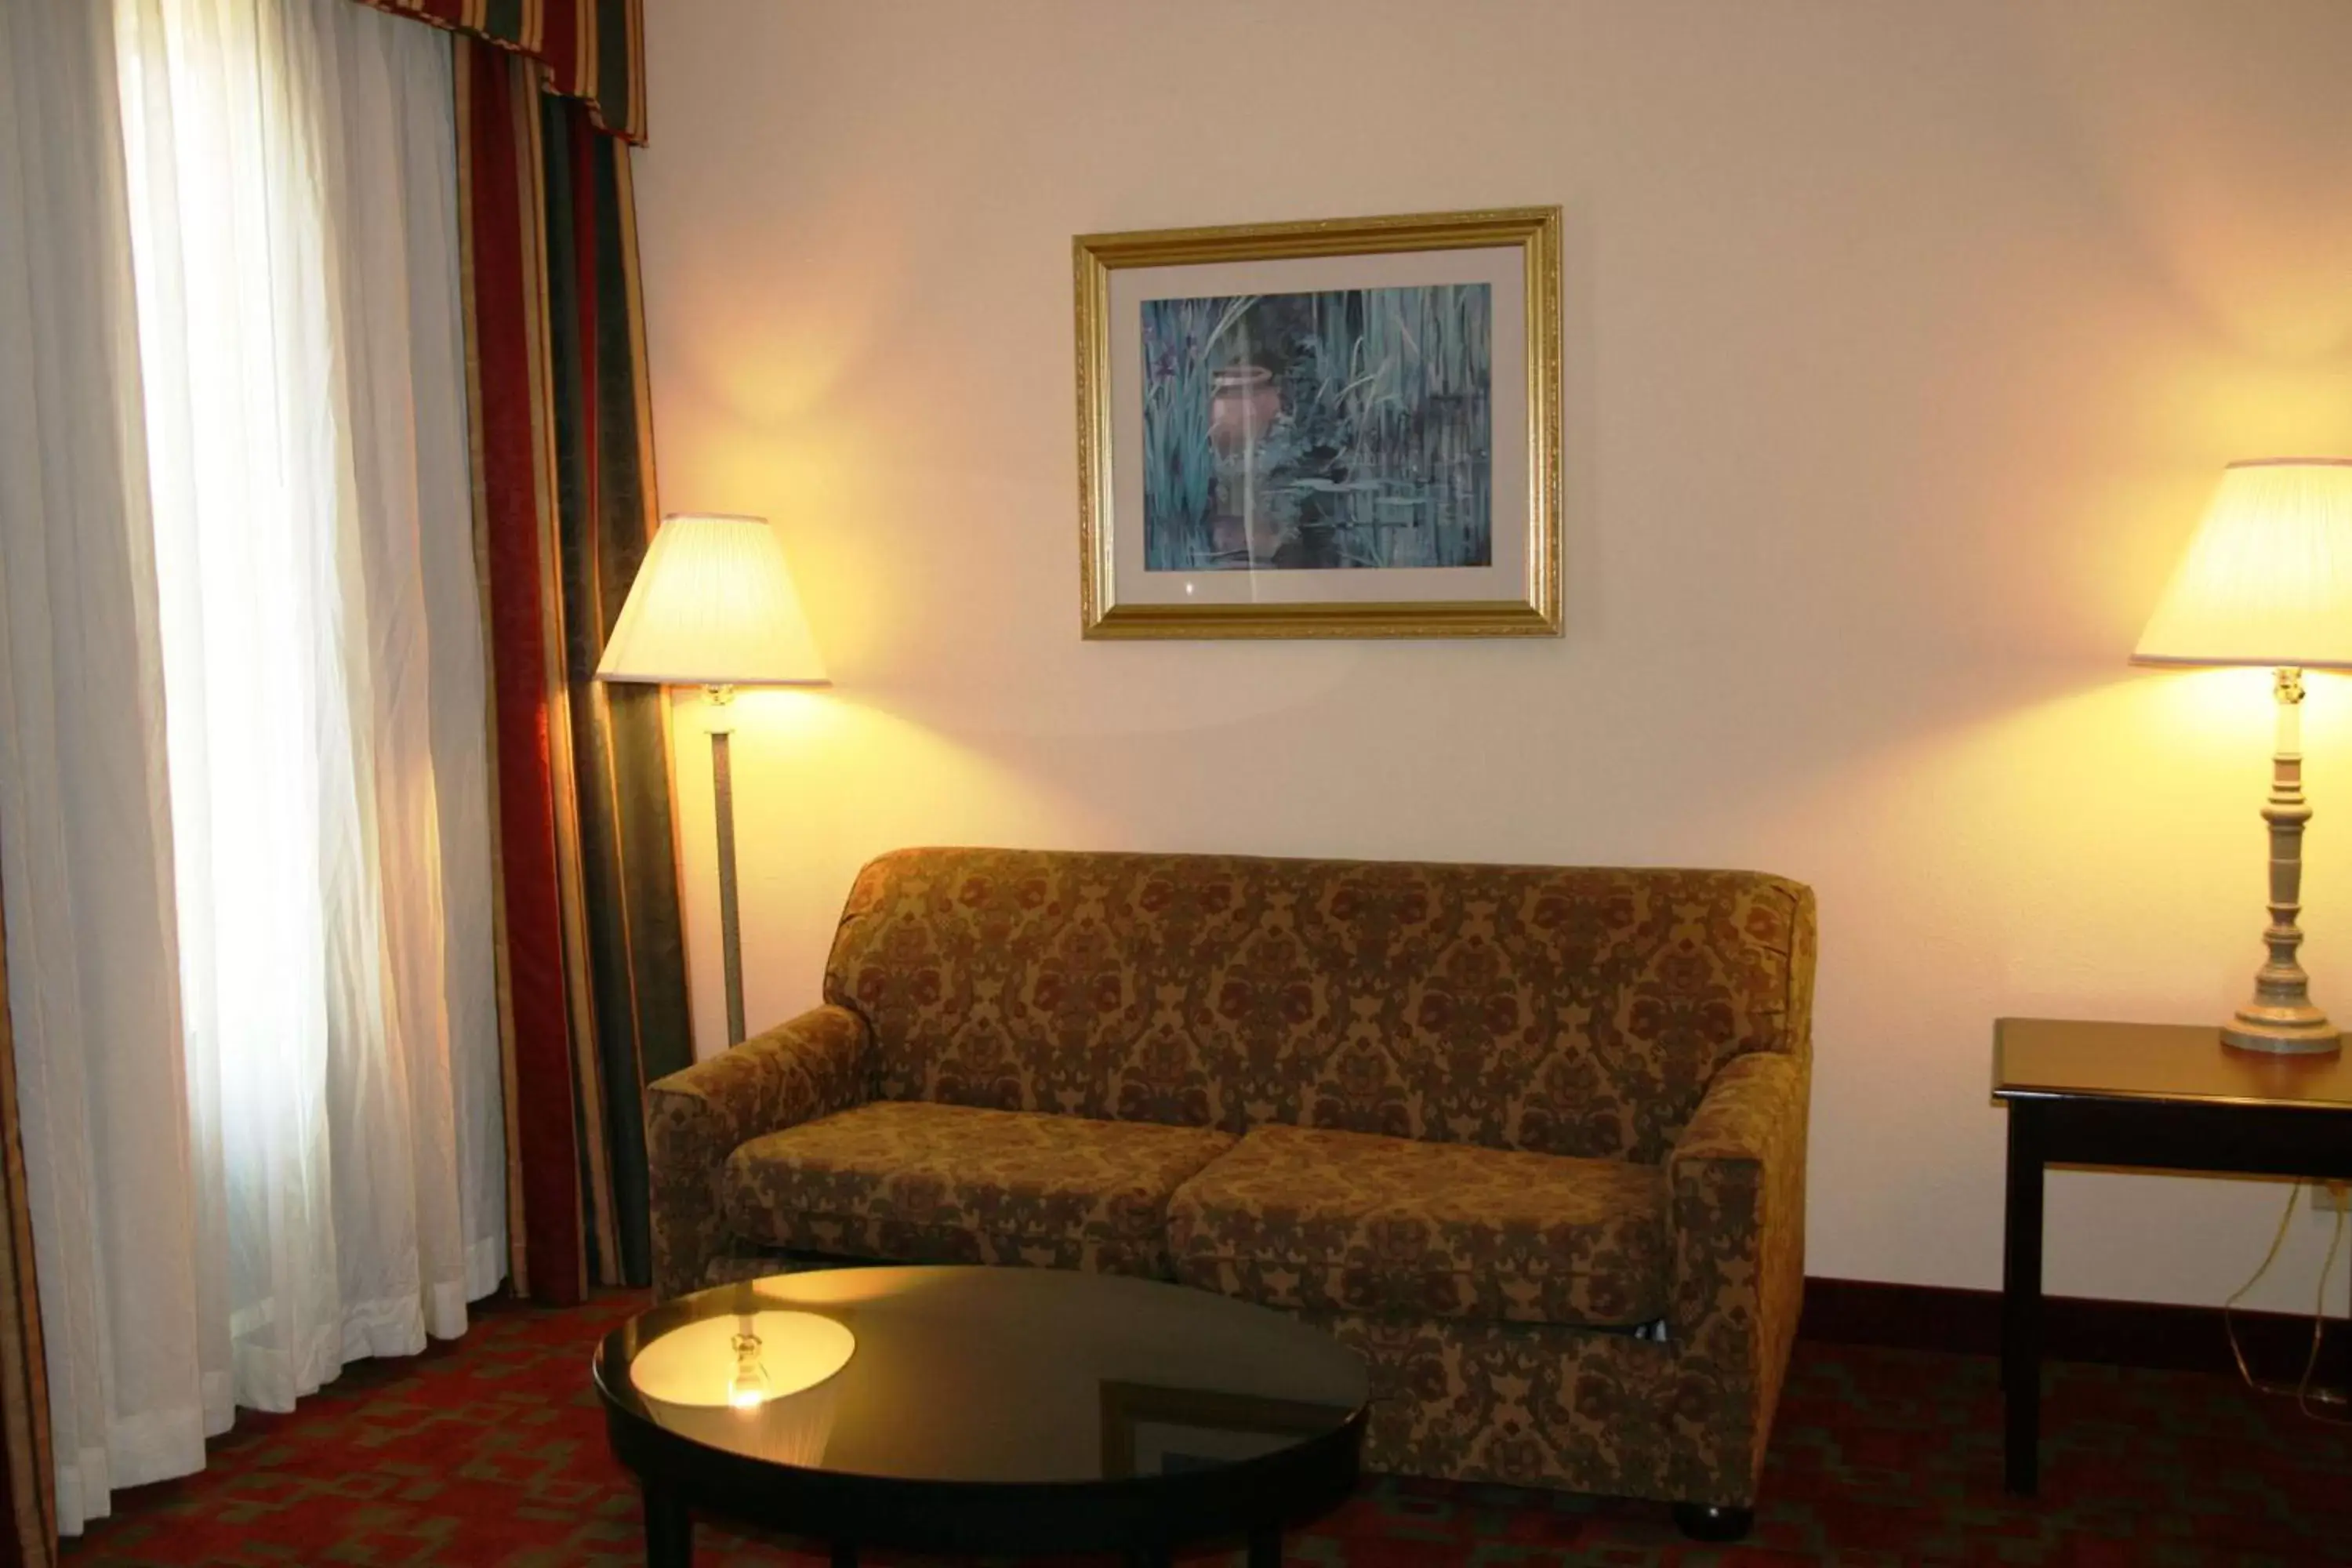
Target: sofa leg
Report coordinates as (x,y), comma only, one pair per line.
(1704,1521)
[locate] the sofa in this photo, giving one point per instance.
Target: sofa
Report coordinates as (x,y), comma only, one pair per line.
(1530,1138)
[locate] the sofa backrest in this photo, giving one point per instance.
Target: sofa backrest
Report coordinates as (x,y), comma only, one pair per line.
(1568,1011)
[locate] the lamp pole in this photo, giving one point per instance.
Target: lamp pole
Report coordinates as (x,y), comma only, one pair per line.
(719,718)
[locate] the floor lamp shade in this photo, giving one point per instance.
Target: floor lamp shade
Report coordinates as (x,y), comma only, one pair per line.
(2268,581)
(713,604)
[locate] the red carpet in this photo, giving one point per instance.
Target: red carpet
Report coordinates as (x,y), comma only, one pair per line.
(491,1451)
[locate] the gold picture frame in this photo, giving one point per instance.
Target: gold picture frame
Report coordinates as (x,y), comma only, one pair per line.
(1167,569)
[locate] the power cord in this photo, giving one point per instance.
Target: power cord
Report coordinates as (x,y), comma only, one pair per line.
(2306,1398)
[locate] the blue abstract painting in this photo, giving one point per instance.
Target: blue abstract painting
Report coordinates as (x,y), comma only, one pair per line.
(1314,432)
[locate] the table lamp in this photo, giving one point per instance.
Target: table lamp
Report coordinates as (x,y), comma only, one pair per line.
(713,607)
(2268,581)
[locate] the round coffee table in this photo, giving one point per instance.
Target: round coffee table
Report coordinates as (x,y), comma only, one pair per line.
(987,1411)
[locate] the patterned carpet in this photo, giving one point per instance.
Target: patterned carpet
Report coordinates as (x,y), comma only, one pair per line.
(491,1451)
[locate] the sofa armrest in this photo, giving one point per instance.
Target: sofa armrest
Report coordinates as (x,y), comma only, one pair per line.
(1735,1192)
(811,1067)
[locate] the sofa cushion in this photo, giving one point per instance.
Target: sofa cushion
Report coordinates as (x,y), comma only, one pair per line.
(918,1183)
(1352,1222)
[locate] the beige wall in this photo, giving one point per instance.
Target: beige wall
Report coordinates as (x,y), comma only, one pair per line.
(1905,344)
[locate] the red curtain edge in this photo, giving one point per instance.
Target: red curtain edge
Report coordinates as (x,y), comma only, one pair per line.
(503,288)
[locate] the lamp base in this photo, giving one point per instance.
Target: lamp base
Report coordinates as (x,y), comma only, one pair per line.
(2280,1019)
(2308,1037)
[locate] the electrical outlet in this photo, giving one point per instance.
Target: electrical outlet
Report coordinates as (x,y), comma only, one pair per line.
(2331,1197)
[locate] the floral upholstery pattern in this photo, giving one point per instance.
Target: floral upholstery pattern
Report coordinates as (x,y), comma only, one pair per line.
(1560,1011)
(1737,1204)
(1683,1419)
(1048,1059)
(1352,1222)
(1529,1404)
(948,1184)
(811,1067)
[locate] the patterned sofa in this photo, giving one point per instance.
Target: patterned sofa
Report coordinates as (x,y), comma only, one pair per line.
(1530,1138)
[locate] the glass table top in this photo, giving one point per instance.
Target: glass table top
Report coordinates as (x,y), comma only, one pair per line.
(979,1375)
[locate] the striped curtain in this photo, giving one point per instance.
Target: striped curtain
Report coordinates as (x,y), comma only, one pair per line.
(593,968)
(589,49)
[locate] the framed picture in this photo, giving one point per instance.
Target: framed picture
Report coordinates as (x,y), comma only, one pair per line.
(1345,428)
(1149,1430)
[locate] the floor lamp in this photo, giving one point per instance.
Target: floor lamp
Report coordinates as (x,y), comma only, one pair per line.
(713,606)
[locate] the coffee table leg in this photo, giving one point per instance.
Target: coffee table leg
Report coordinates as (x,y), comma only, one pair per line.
(1265,1549)
(669,1528)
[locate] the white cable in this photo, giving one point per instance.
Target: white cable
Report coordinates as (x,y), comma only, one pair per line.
(2305,1396)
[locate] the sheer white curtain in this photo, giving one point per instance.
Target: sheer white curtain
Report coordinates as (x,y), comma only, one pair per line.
(85,830)
(307,688)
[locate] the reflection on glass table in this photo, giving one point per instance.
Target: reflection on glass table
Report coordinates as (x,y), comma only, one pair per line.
(759,1383)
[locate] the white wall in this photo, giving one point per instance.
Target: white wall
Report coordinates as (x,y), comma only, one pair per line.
(1905,342)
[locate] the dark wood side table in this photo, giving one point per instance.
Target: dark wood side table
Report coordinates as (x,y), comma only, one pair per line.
(2153,1097)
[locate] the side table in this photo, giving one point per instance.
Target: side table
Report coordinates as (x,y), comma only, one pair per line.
(2147,1097)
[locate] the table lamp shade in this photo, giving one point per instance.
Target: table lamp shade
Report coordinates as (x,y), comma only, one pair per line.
(713,604)
(2268,578)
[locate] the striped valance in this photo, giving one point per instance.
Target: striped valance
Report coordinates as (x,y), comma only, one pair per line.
(588,49)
